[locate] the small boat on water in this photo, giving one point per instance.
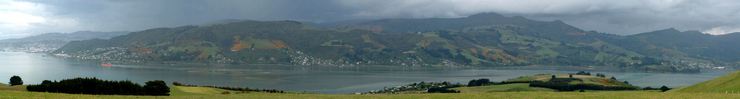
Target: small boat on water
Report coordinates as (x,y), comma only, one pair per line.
(106,64)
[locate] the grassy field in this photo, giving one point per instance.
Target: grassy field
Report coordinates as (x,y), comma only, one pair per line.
(584,79)
(501,88)
(12,88)
(180,92)
(4,94)
(729,83)
(713,89)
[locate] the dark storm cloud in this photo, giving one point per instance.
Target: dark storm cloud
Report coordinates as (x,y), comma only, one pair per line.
(611,16)
(141,14)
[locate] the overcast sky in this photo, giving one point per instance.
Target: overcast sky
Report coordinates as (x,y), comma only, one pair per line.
(19,18)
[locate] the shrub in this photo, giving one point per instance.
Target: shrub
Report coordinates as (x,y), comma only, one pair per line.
(583,73)
(16,80)
(649,88)
(600,75)
(244,89)
(479,82)
(156,88)
(177,84)
(664,88)
(441,90)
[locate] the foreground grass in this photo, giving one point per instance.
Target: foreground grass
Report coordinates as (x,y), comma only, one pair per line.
(707,90)
(729,83)
(182,92)
(584,79)
(14,88)
(501,88)
(501,95)
(189,91)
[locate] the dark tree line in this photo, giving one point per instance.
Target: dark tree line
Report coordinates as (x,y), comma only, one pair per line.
(479,82)
(662,88)
(442,90)
(600,75)
(583,73)
(103,87)
(245,89)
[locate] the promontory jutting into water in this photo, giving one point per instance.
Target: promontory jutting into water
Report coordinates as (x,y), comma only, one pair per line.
(34,68)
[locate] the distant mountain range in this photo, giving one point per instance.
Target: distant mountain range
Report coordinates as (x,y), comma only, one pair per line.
(486,39)
(51,41)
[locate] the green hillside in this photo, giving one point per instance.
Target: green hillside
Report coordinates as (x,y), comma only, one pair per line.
(519,87)
(729,83)
(485,39)
(577,79)
(51,41)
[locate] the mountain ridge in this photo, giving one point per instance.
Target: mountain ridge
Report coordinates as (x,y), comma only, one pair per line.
(478,40)
(51,41)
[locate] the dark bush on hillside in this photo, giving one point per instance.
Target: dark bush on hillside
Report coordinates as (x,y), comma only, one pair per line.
(441,90)
(178,84)
(15,80)
(511,82)
(600,75)
(156,88)
(97,86)
(233,88)
(583,73)
(651,88)
(479,82)
(562,84)
(664,88)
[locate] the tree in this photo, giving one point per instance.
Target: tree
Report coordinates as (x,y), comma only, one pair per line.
(157,88)
(664,88)
(479,82)
(15,80)
(648,88)
(441,90)
(45,82)
(570,75)
(600,75)
(553,77)
(613,78)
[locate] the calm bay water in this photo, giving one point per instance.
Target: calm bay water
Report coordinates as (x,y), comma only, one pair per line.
(34,68)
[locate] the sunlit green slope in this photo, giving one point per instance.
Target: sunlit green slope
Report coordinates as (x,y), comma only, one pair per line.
(729,83)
